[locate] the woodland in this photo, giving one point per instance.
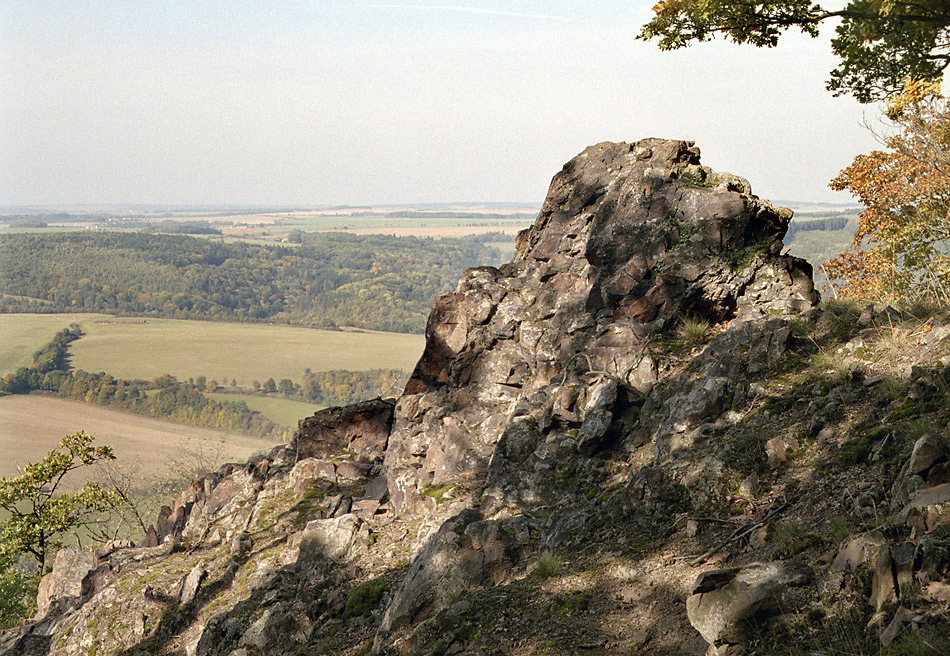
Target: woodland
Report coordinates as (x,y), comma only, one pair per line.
(373,281)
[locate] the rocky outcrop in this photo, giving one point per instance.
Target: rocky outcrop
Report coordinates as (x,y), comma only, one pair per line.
(632,240)
(362,428)
(592,432)
(467,553)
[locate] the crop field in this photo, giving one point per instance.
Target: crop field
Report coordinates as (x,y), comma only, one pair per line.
(285,412)
(146,348)
(155,450)
(270,227)
(425,226)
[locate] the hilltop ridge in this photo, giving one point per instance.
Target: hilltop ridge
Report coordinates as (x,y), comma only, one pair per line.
(640,436)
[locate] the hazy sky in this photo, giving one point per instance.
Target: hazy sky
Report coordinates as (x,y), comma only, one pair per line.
(319,102)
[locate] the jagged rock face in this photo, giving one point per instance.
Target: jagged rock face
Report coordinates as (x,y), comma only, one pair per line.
(362,428)
(631,239)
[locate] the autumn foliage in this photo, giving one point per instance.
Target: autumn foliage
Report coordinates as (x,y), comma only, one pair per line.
(901,250)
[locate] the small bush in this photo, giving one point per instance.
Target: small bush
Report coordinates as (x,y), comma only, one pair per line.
(17,593)
(856,450)
(575,603)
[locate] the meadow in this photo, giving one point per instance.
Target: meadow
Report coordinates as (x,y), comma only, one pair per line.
(21,335)
(155,450)
(243,352)
(285,412)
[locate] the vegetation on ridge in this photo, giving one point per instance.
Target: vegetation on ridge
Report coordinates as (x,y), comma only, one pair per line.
(37,513)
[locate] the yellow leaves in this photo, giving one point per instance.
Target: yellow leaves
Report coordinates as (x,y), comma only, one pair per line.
(915,91)
(899,247)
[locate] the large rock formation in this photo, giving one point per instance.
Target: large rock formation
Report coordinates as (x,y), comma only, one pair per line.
(624,402)
(632,240)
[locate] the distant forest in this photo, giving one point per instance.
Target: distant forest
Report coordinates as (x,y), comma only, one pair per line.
(828,223)
(374,282)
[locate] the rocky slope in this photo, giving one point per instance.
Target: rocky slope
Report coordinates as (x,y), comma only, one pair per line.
(641,436)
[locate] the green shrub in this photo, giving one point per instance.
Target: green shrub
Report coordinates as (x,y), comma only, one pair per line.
(856,450)
(575,603)
(17,594)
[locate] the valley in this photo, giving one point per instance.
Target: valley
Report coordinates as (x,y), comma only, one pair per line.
(156,450)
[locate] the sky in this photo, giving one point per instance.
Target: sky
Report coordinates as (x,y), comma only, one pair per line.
(305,103)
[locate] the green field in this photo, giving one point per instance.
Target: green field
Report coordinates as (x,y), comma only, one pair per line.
(146,348)
(284,412)
(21,335)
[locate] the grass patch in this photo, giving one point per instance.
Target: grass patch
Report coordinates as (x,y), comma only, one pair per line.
(575,603)
(440,492)
(548,565)
(24,334)
(285,412)
(794,538)
(841,318)
(693,330)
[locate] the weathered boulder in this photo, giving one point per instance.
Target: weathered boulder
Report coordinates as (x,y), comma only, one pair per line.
(333,539)
(68,582)
(858,551)
(466,553)
(362,428)
(928,509)
(930,450)
(725,601)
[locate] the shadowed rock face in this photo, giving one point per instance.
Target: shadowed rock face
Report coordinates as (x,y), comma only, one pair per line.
(632,239)
(361,428)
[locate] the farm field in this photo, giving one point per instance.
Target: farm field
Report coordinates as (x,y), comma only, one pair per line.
(274,226)
(32,425)
(146,348)
(285,412)
(21,335)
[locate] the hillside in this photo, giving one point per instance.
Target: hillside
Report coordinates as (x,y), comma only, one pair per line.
(641,436)
(375,282)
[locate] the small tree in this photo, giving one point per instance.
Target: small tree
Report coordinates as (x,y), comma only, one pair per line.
(39,513)
(901,249)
